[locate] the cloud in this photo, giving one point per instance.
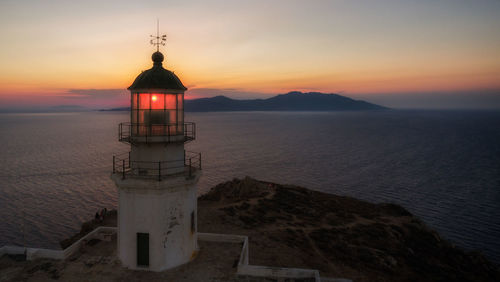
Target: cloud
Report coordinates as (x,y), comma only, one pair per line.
(95,98)
(236,93)
(99,94)
(472,99)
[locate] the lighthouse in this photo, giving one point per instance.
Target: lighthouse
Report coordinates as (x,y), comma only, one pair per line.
(156,180)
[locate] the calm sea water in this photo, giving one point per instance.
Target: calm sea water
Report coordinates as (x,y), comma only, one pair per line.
(443,166)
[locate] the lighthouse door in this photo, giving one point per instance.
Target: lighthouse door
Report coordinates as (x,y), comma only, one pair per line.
(142,249)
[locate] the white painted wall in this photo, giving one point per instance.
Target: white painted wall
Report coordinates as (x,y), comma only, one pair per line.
(163,212)
(245,269)
(35,253)
(172,154)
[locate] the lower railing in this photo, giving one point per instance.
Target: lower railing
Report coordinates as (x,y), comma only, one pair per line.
(160,170)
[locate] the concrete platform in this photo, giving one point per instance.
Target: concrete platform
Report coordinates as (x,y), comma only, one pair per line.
(97,261)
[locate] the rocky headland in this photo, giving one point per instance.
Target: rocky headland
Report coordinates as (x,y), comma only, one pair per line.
(290,226)
(287,226)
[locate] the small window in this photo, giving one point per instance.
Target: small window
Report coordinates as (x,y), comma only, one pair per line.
(193,224)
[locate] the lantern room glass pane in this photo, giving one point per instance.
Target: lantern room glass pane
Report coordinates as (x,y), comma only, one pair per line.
(172,118)
(157,101)
(156,117)
(170,103)
(142,116)
(141,128)
(180,113)
(134,101)
(134,116)
(180,101)
(144,101)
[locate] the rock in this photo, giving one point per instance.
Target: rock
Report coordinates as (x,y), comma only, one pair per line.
(392,261)
(88,226)
(93,261)
(237,189)
(341,236)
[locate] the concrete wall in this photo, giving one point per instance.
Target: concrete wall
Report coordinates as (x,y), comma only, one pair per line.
(171,154)
(34,253)
(245,269)
(166,215)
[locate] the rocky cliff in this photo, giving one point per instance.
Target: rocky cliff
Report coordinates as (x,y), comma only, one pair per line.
(290,226)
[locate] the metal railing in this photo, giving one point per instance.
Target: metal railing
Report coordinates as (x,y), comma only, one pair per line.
(168,132)
(156,170)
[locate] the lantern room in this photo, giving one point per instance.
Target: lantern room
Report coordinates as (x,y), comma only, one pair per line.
(157,114)
(157,107)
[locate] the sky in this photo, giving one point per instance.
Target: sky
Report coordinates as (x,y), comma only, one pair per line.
(398,53)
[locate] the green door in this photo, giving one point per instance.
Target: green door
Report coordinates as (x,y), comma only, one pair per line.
(142,249)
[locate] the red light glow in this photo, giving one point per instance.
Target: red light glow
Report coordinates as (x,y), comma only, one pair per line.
(154,98)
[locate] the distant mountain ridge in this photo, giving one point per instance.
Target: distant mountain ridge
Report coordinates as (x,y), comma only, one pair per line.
(292,101)
(45,109)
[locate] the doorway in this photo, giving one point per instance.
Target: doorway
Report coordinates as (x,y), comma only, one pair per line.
(142,249)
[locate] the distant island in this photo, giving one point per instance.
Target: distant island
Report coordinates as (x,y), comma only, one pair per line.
(292,101)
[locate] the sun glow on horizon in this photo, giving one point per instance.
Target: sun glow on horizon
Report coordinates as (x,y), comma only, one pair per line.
(255,49)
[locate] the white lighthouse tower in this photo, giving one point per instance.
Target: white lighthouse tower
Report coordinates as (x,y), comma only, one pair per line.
(156,180)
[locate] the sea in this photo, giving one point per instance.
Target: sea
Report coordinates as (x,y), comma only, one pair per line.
(443,166)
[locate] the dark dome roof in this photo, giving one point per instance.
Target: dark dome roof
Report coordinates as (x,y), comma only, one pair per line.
(157,77)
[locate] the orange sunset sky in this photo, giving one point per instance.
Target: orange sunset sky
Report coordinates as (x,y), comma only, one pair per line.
(403,54)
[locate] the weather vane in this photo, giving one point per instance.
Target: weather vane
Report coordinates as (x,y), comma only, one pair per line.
(158,40)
